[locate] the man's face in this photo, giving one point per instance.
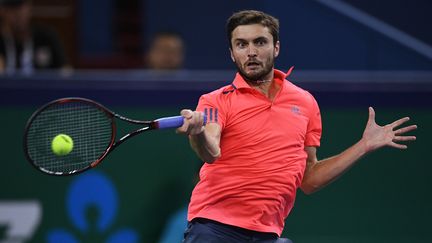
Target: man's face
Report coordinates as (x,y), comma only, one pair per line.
(253,51)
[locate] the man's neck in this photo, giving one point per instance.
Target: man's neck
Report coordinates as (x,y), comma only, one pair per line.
(269,89)
(267,86)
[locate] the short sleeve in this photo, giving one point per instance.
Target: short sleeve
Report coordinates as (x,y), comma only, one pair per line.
(212,108)
(314,128)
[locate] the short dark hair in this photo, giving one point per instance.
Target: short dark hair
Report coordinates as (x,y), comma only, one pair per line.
(247,17)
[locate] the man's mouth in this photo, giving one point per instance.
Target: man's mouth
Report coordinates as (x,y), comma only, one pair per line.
(252,64)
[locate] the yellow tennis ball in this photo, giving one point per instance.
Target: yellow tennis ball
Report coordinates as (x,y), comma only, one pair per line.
(62,145)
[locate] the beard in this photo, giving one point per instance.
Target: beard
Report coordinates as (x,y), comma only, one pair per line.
(259,76)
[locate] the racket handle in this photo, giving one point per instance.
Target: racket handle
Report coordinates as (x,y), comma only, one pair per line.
(169,122)
(172,122)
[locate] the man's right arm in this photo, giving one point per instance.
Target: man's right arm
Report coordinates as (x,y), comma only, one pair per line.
(204,140)
(206,144)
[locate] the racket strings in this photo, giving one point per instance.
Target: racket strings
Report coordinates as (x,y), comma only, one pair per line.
(89,127)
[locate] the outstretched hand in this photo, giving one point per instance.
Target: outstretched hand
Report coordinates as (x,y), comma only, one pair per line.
(376,136)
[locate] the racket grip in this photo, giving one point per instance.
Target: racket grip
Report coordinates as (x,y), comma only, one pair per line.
(172,122)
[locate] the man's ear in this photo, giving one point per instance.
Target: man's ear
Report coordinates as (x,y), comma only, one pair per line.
(232,56)
(277,49)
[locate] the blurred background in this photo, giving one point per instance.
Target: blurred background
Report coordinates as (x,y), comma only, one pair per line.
(145,59)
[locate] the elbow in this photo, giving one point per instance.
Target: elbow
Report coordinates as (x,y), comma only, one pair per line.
(308,188)
(210,156)
(209,159)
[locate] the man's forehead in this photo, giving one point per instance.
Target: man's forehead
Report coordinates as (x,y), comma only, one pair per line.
(251,31)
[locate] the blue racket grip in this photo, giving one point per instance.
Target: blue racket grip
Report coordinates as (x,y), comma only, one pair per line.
(172,122)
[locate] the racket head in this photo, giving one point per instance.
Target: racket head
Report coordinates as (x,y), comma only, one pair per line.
(90,125)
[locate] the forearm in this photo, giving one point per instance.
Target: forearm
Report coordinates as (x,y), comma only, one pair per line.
(205,146)
(320,173)
(323,172)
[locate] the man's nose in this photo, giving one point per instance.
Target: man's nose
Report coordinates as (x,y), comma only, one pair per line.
(252,51)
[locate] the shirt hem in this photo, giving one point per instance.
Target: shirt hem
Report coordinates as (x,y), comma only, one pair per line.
(244,225)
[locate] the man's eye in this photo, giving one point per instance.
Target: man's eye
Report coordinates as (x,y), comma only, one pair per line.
(241,44)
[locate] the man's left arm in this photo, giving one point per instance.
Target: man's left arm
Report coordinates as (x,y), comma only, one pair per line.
(320,173)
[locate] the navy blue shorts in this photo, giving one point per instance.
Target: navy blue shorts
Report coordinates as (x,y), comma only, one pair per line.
(209,231)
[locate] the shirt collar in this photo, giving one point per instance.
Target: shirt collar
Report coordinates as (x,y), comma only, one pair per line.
(279,77)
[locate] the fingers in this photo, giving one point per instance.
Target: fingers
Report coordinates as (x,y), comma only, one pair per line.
(388,135)
(371,115)
(405,129)
(399,122)
(401,139)
(404,138)
(399,146)
(193,122)
(394,124)
(186,113)
(371,112)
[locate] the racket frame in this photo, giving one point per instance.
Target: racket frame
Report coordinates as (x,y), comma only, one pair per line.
(147,125)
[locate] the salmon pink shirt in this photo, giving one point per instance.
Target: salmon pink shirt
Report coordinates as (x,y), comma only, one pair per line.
(253,184)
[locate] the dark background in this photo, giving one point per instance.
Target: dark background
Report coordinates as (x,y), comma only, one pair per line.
(345,64)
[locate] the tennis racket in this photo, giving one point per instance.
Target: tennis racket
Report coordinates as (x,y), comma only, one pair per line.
(92,128)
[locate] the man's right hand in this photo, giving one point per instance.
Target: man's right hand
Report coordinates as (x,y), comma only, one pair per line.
(193,122)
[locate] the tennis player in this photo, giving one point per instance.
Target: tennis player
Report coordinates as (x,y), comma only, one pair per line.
(260,143)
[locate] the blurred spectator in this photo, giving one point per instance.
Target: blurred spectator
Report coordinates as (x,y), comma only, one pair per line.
(25,47)
(166,52)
